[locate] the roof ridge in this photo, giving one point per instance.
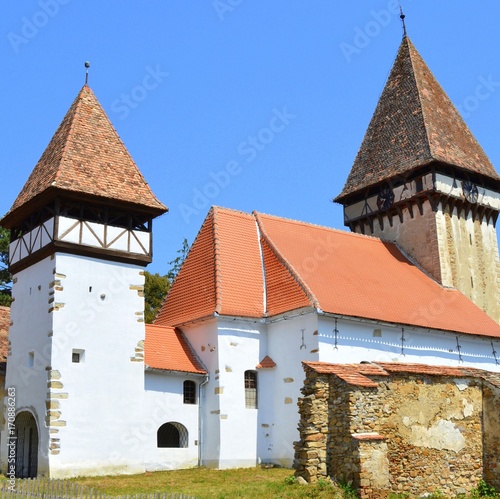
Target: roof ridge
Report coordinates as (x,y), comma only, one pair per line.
(77,102)
(117,135)
(295,275)
(301,222)
(217,264)
(427,143)
(325,227)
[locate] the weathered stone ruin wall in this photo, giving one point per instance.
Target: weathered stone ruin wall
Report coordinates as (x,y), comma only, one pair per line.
(410,433)
(310,451)
(491,428)
(433,427)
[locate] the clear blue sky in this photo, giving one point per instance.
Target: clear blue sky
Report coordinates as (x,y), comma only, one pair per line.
(277,93)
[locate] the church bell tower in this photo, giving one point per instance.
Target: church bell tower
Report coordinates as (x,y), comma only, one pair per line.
(81,235)
(421,179)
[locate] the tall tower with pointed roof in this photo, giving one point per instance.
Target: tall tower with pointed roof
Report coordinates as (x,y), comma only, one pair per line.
(81,234)
(421,179)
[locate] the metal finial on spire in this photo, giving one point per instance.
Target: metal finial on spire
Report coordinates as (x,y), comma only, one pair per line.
(402,17)
(87,66)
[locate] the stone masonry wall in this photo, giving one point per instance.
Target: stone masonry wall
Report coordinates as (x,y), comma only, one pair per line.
(491,425)
(310,451)
(433,427)
(401,432)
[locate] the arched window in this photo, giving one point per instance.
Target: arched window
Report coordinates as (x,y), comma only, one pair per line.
(189,392)
(172,435)
(251,389)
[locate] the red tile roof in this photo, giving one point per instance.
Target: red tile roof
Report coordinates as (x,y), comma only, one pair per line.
(227,272)
(166,348)
(359,374)
(224,273)
(86,156)
(414,124)
(354,374)
(4,334)
(266,363)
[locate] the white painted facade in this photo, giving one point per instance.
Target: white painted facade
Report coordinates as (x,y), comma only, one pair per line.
(99,415)
(164,403)
(234,436)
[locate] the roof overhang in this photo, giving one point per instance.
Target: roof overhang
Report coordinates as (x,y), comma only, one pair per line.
(14,217)
(170,372)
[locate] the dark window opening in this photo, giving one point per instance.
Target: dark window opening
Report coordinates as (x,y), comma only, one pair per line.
(189,392)
(251,389)
(172,435)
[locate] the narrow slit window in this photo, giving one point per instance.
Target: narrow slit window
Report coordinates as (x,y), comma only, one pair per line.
(189,392)
(251,389)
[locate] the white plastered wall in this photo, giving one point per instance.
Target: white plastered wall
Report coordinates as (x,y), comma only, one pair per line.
(290,342)
(30,347)
(164,403)
(359,341)
(228,348)
(203,339)
(98,312)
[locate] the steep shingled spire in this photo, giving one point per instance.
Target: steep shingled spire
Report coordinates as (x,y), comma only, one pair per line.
(86,157)
(414,124)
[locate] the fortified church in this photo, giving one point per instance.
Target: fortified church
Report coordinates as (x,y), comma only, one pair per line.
(216,379)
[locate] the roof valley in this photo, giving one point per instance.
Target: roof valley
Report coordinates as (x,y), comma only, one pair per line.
(286,264)
(264,274)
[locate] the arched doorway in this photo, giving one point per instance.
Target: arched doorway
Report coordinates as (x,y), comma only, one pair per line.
(26,445)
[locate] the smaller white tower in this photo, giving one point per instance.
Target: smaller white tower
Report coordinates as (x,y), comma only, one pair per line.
(81,234)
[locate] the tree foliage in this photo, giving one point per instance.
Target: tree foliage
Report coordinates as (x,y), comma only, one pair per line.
(157,286)
(5,277)
(155,289)
(176,263)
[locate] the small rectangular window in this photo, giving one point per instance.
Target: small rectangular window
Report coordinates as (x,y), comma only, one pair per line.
(189,392)
(31,359)
(77,356)
(251,389)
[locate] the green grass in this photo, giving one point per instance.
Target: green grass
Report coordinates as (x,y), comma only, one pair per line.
(245,483)
(248,483)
